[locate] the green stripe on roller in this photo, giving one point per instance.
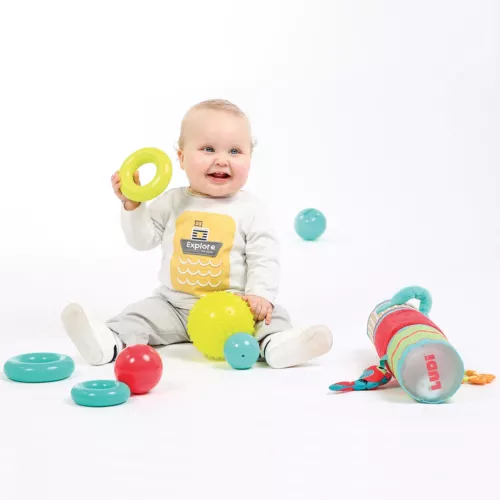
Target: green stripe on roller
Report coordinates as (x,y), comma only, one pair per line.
(409,336)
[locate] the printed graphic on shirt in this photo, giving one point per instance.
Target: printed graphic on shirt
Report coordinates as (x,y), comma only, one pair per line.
(202,245)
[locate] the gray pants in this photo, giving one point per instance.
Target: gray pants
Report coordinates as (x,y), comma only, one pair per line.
(156,322)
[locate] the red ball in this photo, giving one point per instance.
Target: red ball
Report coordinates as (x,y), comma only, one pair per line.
(140,367)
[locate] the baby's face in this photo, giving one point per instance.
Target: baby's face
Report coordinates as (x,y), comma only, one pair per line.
(217,151)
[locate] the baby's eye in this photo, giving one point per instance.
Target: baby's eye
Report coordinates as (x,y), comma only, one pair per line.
(235,151)
(209,149)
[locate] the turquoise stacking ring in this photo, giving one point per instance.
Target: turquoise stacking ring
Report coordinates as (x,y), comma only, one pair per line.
(100,393)
(37,367)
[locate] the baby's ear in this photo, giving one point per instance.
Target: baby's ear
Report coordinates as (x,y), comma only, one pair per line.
(180,157)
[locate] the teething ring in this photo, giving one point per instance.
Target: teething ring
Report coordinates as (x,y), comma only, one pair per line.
(161,180)
(98,393)
(38,367)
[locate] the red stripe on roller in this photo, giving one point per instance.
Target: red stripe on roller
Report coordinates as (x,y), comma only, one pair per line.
(394,322)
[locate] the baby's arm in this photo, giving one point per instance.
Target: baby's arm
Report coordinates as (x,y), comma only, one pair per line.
(262,255)
(144,226)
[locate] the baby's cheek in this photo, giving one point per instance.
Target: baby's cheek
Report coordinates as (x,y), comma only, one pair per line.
(242,168)
(201,169)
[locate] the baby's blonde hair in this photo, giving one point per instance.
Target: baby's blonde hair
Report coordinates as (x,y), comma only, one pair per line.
(215,104)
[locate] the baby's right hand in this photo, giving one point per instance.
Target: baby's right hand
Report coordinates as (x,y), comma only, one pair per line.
(116,185)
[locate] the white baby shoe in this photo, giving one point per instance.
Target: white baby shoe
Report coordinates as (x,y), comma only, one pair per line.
(97,344)
(296,346)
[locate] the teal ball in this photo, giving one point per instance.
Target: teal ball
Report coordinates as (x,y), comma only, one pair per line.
(310,224)
(241,351)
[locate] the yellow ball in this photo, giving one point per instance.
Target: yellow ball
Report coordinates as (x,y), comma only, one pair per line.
(214,318)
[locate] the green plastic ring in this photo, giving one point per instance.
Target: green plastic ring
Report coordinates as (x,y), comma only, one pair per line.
(37,367)
(99,393)
(161,180)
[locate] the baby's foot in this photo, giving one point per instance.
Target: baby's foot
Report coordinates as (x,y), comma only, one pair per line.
(96,343)
(296,346)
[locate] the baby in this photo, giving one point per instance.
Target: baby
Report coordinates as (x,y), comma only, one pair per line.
(214,236)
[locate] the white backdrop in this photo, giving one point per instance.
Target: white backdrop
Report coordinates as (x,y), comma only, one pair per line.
(384,115)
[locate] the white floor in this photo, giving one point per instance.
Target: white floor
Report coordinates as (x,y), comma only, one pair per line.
(207,431)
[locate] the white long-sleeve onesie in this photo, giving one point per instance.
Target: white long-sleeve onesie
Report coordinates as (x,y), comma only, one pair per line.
(208,244)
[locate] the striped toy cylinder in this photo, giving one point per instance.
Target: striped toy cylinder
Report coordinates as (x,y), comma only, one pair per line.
(416,351)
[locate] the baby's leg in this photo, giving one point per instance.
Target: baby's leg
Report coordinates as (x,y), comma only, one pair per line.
(283,346)
(280,322)
(151,321)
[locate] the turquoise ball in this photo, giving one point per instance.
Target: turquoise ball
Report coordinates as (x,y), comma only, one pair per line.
(310,224)
(241,351)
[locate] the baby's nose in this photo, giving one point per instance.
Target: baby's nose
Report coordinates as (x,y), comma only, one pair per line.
(222,160)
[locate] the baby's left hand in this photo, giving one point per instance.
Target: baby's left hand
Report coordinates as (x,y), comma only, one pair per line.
(261,308)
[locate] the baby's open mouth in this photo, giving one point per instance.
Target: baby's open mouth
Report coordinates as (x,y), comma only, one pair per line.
(219,175)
